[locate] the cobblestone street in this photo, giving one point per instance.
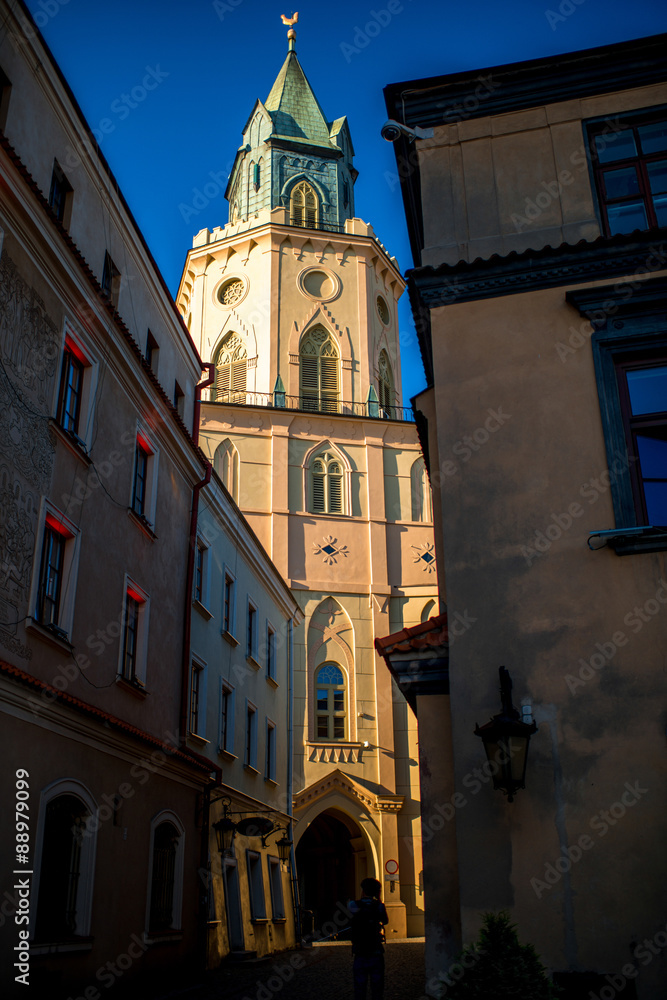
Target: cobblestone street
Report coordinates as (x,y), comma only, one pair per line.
(323,972)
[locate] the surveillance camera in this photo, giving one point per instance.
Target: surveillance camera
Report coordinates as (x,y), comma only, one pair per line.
(392,130)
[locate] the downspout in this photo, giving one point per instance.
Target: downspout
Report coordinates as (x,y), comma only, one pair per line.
(290,779)
(185,674)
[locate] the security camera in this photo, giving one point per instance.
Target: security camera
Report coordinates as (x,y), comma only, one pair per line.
(392,130)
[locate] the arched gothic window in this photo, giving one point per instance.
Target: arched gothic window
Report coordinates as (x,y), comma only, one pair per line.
(231,367)
(66,869)
(385,384)
(330,707)
(163,876)
(226,463)
(422,509)
(319,374)
(304,206)
(326,486)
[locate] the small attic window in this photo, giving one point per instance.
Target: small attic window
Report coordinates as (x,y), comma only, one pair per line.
(346,193)
(256,171)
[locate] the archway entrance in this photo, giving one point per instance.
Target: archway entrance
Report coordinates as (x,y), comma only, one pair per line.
(331,861)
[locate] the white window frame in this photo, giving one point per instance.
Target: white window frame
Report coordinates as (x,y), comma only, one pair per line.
(271,745)
(256,891)
(276,887)
(79,345)
(145,442)
(203,545)
(72,535)
(197,663)
(250,735)
(166,816)
(85,885)
(318,451)
(132,588)
(226,739)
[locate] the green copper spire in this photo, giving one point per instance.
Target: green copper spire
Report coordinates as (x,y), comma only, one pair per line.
(293,106)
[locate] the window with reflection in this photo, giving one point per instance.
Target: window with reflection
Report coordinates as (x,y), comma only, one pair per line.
(643,394)
(630,163)
(330,714)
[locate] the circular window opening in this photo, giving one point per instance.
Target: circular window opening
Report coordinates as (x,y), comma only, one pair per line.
(383,310)
(232,291)
(319,284)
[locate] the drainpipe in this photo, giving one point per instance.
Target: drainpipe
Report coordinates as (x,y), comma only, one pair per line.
(185,671)
(290,779)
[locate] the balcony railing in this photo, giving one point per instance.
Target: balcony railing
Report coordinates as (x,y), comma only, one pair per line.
(281,401)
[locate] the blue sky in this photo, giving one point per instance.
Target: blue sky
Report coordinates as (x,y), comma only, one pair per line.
(211,60)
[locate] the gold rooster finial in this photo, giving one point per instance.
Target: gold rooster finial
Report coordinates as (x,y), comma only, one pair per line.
(290,20)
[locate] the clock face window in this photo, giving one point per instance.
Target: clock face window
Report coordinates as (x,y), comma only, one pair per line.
(383,310)
(231,292)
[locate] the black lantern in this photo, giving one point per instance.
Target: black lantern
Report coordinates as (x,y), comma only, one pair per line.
(225,829)
(284,846)
(506,740)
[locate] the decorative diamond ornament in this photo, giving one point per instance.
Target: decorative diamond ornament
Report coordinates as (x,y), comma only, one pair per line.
(331,550)
(425,554)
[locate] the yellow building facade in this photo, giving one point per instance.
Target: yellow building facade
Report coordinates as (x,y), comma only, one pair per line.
(294,304)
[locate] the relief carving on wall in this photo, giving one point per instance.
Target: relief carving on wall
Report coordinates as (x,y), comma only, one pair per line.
(29,349)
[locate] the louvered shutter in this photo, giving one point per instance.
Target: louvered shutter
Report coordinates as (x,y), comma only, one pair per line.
(238,380)
(223,377)
(328,381)
(335,478)
(311,210)
(309,381)
(318,487)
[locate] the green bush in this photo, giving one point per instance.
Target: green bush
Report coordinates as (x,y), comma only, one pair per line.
(498,967)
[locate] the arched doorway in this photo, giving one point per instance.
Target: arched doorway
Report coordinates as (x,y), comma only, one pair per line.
(331,860)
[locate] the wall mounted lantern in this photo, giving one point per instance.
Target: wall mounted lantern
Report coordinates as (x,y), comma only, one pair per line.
(506,740)
(225,828)
(262,826)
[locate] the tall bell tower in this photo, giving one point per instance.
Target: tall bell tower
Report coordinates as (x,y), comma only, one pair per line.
(294,301)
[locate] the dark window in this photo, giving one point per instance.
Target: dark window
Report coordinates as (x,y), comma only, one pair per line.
(51,576)
(251,737)
(130,635)
(152,350)
(252,631)
(110,280)
(227,720)
(256,173)
(630,165)
(270,751)
(256,886)
(71,390)
(199,571)
(165,842)
(643,394)
(195,695)
(270,652)
(5,91)
(179,400)
(60,871)
(228,605)
(60,195)
(140,481)
(276,884)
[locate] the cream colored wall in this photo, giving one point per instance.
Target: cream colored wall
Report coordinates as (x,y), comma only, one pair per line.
(515,181)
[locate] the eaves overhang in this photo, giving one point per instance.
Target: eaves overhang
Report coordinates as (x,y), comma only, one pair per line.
(418,659)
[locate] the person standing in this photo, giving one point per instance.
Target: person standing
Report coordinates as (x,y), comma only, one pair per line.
(369,917)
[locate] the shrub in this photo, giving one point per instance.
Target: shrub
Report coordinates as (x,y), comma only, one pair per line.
(498,967)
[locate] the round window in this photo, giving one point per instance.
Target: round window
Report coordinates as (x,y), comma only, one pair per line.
(231,291)
(383,310)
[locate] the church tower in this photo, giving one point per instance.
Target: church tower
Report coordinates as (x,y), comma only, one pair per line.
(294,301)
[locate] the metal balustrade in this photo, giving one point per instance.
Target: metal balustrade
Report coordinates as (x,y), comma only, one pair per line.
(307,404)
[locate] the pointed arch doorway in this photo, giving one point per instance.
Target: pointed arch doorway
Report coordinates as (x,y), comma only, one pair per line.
(331,860)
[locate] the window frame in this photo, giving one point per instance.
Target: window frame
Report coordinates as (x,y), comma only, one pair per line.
(149,452)
(319,398)
(53,520)
(5,95)
(234,371)
(250,741)
(227,717)
(331,714)
(256,891)
(420,493)
(201,581)
(327,457)
(629,323)
(302,215)
(152,354)
(623,122)
(251,636)
(270,753)
(139,597)
(228,617)
(270,651)
(111,280)
(227,463)
(75,345)
(276,887)
(86,880)
(153,934)
(61,194)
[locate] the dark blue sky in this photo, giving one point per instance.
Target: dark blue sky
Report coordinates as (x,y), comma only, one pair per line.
(211,60)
